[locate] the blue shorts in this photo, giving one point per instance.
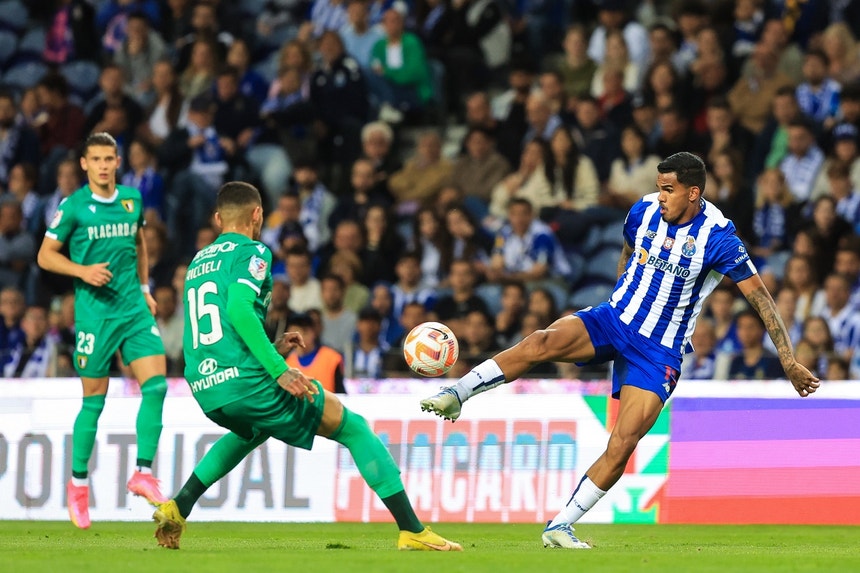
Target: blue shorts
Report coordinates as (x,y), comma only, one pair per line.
(639,361)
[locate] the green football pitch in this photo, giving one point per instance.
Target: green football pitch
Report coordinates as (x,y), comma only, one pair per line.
(36,547)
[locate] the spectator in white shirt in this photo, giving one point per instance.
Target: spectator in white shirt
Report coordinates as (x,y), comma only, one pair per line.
(804,160)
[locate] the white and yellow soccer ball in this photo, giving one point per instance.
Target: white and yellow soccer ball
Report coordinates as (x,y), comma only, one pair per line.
(431,349)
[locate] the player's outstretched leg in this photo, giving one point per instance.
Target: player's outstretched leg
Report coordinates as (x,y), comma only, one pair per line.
(83,441)
(378,469)
(222,457)
(566,339)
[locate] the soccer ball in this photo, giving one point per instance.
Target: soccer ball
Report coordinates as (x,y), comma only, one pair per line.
(431,349)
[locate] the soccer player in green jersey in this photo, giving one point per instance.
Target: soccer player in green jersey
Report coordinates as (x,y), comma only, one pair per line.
(102,222)
(246,387)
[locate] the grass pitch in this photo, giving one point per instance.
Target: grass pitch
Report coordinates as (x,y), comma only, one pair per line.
(36,547)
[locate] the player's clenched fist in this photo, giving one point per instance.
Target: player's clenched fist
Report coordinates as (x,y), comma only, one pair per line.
(96,275)
(802,379)
(297,384)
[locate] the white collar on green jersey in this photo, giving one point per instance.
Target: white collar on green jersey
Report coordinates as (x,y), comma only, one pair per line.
(101,199)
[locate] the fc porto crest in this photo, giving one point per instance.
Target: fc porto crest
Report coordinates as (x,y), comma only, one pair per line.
(128,204)
(668,244)
(689,247)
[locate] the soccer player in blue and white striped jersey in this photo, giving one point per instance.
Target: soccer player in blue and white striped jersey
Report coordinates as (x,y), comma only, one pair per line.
(677,247)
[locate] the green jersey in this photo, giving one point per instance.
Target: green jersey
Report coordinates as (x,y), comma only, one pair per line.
(219,366)
(103,230)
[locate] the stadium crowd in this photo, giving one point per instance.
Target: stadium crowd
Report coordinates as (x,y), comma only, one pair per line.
(467,161)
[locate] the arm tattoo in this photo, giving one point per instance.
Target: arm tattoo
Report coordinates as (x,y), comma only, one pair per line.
(626,251)
(763,304)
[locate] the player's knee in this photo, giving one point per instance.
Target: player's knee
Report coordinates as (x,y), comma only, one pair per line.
(536,346)
(621,447)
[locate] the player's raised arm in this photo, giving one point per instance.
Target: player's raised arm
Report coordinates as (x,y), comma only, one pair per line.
(52,260)
(758,296)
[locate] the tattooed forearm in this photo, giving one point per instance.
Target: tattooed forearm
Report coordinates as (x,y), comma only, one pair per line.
(626,251)
(763,304)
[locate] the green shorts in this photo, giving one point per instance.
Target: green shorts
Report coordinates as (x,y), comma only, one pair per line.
(97,341)
(271,411)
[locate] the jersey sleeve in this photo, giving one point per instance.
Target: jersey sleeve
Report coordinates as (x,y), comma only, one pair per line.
(252,265)
(632,222)
(730,256)
(63,223)
(542,249)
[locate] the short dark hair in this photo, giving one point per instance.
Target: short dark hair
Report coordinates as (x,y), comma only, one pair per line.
(850,92)
(749,313)
(369,313)
(689,169)
(300,319)
(521,201)
(335,278)
(787,91)
(237,194)
(100,139)
(804,123)
(56,83)
(298,251)
(719,102)
(228,70)
(31,174)
(820,54)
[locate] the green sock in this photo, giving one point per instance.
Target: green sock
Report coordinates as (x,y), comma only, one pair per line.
(377,467)
(222,457)
(84,434)
(149,419)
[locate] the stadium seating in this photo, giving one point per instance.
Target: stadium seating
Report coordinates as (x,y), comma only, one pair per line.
(83,77)
(13,16)
(590,295)
(31,47)
(603,266)
(8,45)
(26,75)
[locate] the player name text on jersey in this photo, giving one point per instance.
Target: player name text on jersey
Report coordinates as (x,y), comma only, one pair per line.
(207,267)
(110,230)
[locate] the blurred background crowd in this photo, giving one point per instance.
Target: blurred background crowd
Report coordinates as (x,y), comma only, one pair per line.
(467,161)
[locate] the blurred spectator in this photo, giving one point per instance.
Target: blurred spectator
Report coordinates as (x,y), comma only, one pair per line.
(70,33)
(800,276)
(509,319)
(175,21)
(428,240)
(847,263)
(752,94)
(789,56)
(807,356)
(844,139)
(414,313)
(35,354)
(339,96)
(22,183)
(753,362)
(317,204)
(837,369)
(615,102)
(541,121)
(197,78)
(468,240)
(284,221)
(112,93)
(478,339)
(236,115)
(168,109)
(632,174)
(338,321)
(749,21)
(61,128)
(481,167)
(541,304)
(205,237)
(509,109)
(595,137)
(827,230)
(723,132)
(691,16)
(367,357)
(376,144)
(112,19)
(204,26)
(382,302)
(17,246)
(348,236)
(719,305)
(453,309)
(841,317)
(841,49)
(612,16)
(199,156)
(400,79)
(315,360)
(347,265)
(364,194)
(279,310)
(19,143)
(709,82)
(576,68)
(525,248)
(409,287)
(818,95)
(325,15)
(68,181)
(770,225)
(137,55)
(305,292)
(422,176)
(251,84)
(170,326)
(663,86)
(572,176)
(279,20)
(817,333)
(676,134)
(528,183)
(700,364)
(803,161)
(617,59)
(358,35)
(12,308)
(161,259)
(846,196)
(730,194)
(142,175)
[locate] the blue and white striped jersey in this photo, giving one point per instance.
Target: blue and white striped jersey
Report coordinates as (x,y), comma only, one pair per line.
(673,269)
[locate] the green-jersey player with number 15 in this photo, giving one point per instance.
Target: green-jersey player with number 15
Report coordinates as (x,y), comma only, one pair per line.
(102,223)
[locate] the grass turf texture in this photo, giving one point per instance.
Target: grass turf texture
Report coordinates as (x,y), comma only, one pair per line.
(36,547)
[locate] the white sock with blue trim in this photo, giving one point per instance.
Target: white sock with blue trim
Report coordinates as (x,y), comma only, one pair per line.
(485,376)
(584,497)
